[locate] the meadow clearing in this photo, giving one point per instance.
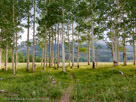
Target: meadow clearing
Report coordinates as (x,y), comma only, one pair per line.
(103,84)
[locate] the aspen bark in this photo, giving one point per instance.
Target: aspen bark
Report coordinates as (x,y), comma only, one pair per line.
(78,51)
(134,55)
(0,54)
(88,49)
(55,56)
(28,42)
(13,67)
(114,47)
(58,55)
(6,57)
(0,57)
(124,53)
(42,54)
(52,57)
(134,58)
(73,44)
(63,45)
(96,57)
(45,49)
(117,51)
(46,53)
(68,45)
(16,53)
(93,50)
(33,64)
(49,49)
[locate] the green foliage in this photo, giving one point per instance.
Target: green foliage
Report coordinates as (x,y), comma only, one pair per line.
(36,85)
(105,83)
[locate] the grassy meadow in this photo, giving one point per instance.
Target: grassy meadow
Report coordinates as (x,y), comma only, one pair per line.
(103,84)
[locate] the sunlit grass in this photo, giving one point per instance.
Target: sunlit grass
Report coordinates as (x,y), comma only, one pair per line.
(103,84)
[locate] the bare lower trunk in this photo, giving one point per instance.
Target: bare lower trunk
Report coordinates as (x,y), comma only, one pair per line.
(49,49)
(28,43)
(16,54)
(45,49)
(72,44)
(33,64)
(78,52)
(46,54)
(55,56)
(42,54)
(0,57)
(58,49)
(117,52)
(96,57)
(52,59)
(13,67)
(6,57)
(88,49)
(124,54)
(68,45)
(93,50)
(0,54)
(115,43)
(134,58)
(63,45)
(116,40)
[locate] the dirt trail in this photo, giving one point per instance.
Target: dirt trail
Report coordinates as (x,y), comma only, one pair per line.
(67,93)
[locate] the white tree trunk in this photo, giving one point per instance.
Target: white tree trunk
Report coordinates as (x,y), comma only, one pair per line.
(134,58)
(49,48)
(73,44)
(16,53)
(55,55)
(45,49)
(68,45)
(58,55)
(88,48)
(0,57)
(13,67)
(78,51)
(42,54)
(33,64)
(0,54)
(52,57)
(6,57)
(28,43)
(63,45)
(93,50)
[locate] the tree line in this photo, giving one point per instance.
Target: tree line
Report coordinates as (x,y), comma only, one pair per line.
(63,21)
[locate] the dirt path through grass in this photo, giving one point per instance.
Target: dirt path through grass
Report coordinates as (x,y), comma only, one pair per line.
(67,93)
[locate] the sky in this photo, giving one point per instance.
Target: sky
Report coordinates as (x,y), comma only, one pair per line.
(24,34)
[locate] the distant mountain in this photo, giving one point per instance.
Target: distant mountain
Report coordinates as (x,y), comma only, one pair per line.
(104,54)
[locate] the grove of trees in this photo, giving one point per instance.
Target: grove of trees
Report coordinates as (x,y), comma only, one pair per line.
(60,22)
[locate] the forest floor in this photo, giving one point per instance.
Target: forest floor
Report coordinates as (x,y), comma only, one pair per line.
(103,84)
